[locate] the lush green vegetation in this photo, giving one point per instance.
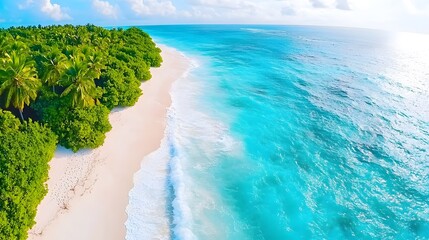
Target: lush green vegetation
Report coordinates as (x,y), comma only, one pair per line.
(61,82)
(25,150)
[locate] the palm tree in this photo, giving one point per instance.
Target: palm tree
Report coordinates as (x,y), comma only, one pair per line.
(94,59)
(18,81)
(54,66)
(79,82)
(73,53)
(18,46)
(5,41)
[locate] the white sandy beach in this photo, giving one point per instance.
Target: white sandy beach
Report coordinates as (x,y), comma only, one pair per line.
(88,191)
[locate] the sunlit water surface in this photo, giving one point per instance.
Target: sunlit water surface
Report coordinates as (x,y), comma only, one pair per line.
(293,133)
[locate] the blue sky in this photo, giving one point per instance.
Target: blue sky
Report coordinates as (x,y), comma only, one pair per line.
(397,15)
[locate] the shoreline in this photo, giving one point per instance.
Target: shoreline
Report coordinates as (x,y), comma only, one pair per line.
(89,191)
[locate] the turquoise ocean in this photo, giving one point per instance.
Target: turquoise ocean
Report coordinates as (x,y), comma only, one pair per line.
(290,132)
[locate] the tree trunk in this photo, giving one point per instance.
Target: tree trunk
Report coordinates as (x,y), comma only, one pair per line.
(53,89)
(20,113)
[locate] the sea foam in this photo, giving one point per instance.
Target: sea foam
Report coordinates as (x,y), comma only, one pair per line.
(168,189)
(149,210)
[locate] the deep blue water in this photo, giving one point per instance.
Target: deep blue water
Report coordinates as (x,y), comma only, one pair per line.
(287,132)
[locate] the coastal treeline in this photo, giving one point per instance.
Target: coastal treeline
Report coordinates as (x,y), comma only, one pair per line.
(58,85)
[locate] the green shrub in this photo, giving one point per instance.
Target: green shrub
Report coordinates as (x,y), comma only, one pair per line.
(76,128)
(25,150)
(119,90)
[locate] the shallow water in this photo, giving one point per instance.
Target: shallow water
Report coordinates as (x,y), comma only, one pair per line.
(292,133)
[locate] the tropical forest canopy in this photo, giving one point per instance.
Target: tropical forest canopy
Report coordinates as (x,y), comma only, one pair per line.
(58,85)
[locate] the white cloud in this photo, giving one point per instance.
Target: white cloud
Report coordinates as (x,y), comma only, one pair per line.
(105,8)
(288,11)
(54,11)
(416,7)
(402,15)
(231,11)
(232,4)
(152,7)
(199,13)
(317,4)
(25,5)
(343,5)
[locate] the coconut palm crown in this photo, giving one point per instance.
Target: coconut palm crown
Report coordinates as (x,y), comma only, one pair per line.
(18,81)
(78,79)
(54,64)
